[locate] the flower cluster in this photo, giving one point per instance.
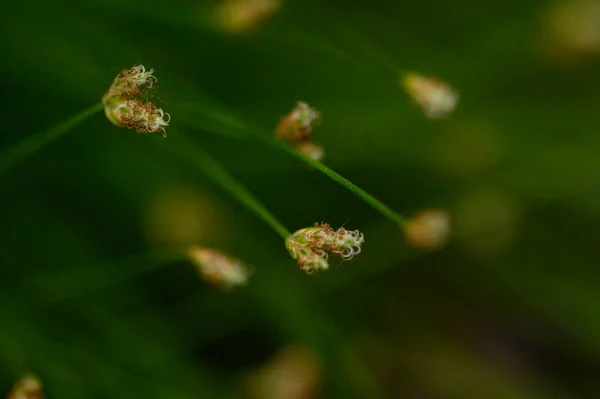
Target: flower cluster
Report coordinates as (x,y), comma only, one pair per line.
(124,108)
(28,387)
(218,268)
(296,128)
(311,246)
(435,97)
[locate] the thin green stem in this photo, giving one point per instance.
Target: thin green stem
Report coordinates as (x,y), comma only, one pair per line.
(187,150)
(238,122)
(333,175)
(35,142)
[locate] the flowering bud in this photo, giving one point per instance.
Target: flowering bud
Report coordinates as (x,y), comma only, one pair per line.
(124,108)
(572,30)
(311,246)
(428,229)
(296,128)
(310,149)
(299,123)
(435,97)
(218,268)
(242,16)
(294,372)
(28,387)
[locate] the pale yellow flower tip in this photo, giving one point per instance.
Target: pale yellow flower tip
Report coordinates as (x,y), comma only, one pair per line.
(435,97)
(572,30)
(28,387)
(294,372)
(299,123)
(311,149)
(218,268)
(429,229)
(238,17)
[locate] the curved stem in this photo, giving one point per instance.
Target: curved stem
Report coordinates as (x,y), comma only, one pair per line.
(333,175)
(195,155)
(238,122)
(35,142)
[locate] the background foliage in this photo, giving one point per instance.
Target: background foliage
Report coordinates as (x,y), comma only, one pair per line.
(508,310)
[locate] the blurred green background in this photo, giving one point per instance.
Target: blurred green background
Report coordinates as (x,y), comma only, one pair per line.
(91,303)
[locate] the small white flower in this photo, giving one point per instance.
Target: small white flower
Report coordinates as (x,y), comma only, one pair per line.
(218,268)
(435,97)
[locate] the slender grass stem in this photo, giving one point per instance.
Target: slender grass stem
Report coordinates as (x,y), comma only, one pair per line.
(333,175)
(238,122)
(192,153)
(35,142)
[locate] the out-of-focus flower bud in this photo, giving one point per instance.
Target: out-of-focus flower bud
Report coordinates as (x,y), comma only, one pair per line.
(28,387)
(219,269)
(293,373)
(299,123)
(124,108)
(428,230)
(296,128)
(435,97)
(238,17)
(311,149)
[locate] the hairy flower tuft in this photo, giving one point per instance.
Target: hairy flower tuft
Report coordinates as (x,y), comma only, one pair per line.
(239,17)
(311,246)
(218,268)
(435,97)
(124,108)
(28,387)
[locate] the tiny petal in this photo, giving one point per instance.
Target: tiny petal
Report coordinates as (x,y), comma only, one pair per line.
(428,230)
(218,268)
(435,97)
(28,387)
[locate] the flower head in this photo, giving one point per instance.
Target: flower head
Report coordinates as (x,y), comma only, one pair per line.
(296,128)
(428,230)
(124,108)
(28,387)
(299,123)
(311,246)
(218,268)
(435,97)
